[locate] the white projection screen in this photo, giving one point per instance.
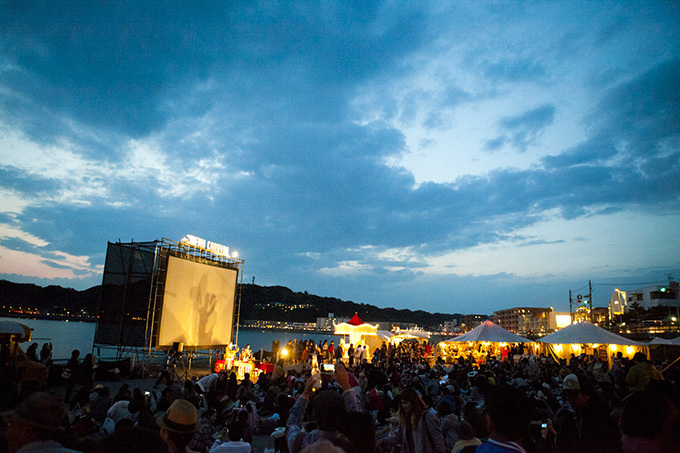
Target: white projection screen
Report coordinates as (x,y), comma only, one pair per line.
(198,305)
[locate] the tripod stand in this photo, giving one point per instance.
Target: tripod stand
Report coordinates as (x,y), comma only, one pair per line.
(179,369)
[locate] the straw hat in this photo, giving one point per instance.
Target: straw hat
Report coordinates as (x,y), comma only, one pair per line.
(181,417)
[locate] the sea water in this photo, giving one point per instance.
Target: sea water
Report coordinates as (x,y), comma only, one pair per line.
(66,336)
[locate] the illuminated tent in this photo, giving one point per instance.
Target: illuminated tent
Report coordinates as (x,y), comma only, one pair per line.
(587,337)
(487,337)
(357,330)
(488,332)
(409,335)
(384,334)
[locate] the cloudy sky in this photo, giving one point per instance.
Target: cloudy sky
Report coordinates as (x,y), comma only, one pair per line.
(447,156)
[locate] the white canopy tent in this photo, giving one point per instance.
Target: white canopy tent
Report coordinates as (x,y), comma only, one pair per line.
(398,337)
(384,334)
(489,332)
(664,341)
(485,338)
(586,337)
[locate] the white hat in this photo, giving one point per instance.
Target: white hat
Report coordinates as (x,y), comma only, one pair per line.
(570,382)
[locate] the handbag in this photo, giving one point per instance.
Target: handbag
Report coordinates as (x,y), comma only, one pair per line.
(66,373)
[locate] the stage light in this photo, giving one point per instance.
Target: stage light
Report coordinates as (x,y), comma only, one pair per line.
(284,352)
(234,254)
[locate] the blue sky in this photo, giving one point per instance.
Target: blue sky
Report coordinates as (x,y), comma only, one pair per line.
(447,156)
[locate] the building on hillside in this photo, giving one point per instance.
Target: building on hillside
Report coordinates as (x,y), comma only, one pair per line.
(403,326)
(469,322)
(654,296)
(450,326)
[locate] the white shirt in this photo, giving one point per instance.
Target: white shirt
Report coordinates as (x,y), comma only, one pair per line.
(119,411)
(205,382)
(231,447)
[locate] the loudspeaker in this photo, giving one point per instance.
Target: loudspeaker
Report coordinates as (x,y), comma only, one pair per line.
(177,346)
(275,346)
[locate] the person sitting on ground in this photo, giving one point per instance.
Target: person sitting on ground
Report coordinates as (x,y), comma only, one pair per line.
(508,417)
(466,437)
(100,404)
(476,419)
(123,393)
(118,411)
(203,438)
(242,417)
(328,407)
(449,424)
(359,428)
(419,429)
(596,429)
(649,422)
(32,352)
(235,444)
(178,425)
(37,424)
(190,394)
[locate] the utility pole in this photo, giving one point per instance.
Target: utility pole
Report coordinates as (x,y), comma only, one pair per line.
(590,299)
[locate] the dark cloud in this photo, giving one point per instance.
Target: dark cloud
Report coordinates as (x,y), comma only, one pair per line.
(632,155)
(591,151)
(130,68)
(524,130)
(513,70)
(643,113)
(18,180)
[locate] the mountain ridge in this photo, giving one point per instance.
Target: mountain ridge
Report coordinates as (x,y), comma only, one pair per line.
(267,303)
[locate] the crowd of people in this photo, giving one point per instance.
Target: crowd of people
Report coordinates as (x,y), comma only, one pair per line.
(402,400)
(302,351)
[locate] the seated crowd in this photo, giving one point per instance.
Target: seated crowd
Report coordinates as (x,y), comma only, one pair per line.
(392,404)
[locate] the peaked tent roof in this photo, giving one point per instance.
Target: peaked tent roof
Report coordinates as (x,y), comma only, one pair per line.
(488,331)
(664,341)
(587,332)
(355,321)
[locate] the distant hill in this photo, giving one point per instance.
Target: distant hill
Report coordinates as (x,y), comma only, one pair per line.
(29,296)
(280,303)
(257,302)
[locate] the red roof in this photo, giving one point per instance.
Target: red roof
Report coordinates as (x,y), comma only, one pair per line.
(355,321)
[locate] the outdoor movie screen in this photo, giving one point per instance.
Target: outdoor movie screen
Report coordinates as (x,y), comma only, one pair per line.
(198,305)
